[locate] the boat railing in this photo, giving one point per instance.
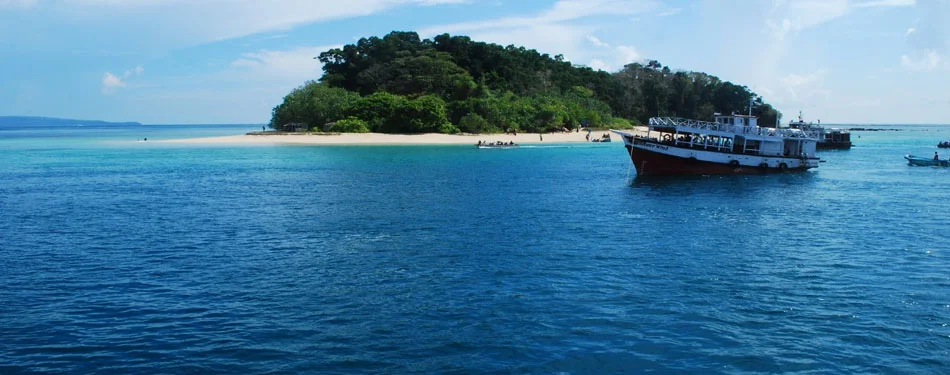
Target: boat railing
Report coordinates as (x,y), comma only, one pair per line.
(735,129)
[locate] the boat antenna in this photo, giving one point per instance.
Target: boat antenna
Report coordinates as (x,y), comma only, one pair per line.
(750,106)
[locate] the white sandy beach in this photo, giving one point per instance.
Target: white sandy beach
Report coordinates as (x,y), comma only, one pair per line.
(396,139)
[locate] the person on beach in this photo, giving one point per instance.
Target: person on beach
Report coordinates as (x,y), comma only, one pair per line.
(936,156)
(541,136)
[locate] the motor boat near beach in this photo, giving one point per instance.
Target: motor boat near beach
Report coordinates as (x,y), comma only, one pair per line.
(481,144)
(731,144)
(944,144)
(926,162)
(828,139)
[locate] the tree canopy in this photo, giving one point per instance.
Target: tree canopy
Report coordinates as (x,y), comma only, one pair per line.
(403,84)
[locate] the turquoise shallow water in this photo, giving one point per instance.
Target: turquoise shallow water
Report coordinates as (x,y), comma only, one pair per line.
(128,257)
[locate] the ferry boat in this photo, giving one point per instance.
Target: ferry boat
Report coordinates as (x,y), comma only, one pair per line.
(732,144)
(828,139)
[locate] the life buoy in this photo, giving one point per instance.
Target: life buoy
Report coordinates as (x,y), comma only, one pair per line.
(734,163)
(783,167)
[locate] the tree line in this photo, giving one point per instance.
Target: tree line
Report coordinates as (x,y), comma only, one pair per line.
(403,84)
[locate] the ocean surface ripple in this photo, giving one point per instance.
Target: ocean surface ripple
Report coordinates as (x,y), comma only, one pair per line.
(132,258)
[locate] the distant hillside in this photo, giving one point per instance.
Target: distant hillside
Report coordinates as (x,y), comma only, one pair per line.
(25,121)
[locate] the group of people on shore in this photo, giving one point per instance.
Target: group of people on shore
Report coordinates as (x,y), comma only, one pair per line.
(603,138)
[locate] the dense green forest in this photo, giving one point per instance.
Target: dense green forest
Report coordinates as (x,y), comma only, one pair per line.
(403,84)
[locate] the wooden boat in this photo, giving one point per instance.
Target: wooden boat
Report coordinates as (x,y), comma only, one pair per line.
(732,144)
(926,162)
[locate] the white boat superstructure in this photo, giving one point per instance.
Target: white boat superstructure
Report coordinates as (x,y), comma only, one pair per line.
(732,144)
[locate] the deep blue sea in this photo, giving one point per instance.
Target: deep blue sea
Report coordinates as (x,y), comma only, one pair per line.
(125,257)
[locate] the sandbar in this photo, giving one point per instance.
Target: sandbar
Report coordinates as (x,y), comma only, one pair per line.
(398,139)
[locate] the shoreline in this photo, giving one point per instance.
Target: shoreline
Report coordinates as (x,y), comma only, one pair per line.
(397,139)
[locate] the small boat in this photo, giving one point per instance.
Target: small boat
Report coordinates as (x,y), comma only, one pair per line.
(732,144)
(834,139)
(481,144)
(926,162)
(944,144)
(828,139)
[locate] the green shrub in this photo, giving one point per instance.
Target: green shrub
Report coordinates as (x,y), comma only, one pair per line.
(473,123)
(350,125)
(620,123)
(448,128)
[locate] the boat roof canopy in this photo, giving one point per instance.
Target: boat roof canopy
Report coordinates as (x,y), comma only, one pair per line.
(717,115)
(735,119)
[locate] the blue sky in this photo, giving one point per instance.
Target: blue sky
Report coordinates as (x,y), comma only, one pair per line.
(232,61)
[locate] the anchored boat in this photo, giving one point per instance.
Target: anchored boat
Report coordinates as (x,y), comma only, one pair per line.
(828,139)
(732,144)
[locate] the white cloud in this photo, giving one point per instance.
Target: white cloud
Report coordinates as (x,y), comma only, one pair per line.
(187,22)
(598,64)
(293,66)
(930,60)
(620,56)
(800,90)
(597,42)
(628,54)
(111,83)
(792,17)
(564,10)
(796,80)
(137,71)
(670,12)
(885,3)
(550,38)
(560,29)
(440,2)
(929,39)
(573,9)
(16,3)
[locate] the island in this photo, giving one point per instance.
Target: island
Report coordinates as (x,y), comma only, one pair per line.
(33,121)
(402,84)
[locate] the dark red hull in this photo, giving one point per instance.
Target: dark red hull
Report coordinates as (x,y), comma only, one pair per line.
(649,163)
